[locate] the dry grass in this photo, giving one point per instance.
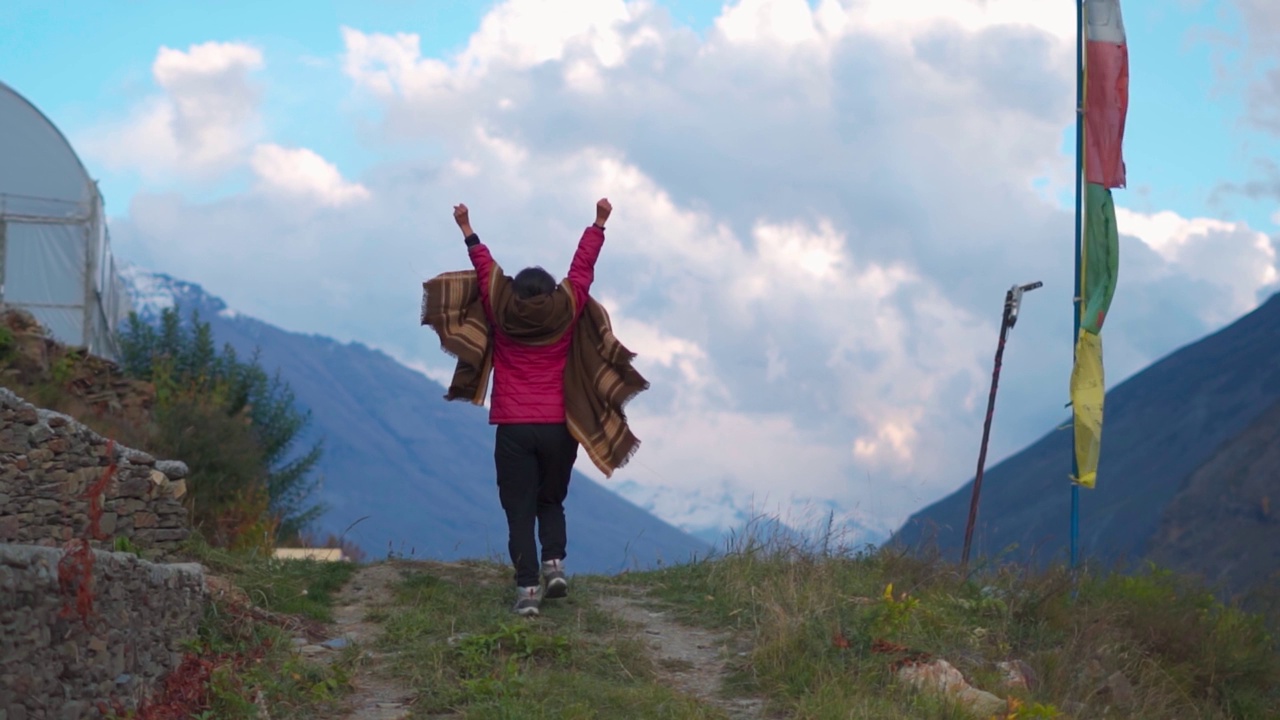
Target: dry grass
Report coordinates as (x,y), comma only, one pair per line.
(1135,646)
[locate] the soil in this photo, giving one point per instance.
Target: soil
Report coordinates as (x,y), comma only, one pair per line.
(377,694)
(693,660)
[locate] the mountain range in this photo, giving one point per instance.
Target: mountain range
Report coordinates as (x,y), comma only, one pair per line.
(417,469)
(1189,473)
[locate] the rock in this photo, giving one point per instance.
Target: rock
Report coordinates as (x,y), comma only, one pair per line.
(158,478)
(137,457)
(224,590)
(8,528)
(311,649)
(336,643)
(1117,689)
(177,488)
(144,519)
(300,641)
(1016,675)
(39,433)
(173,469)
(941,678)
(26,415)
(13,442)
(135,487)
(83,478)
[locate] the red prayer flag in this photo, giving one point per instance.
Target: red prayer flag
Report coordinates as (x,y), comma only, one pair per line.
(1106,100)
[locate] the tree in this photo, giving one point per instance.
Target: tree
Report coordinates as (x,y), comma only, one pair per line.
(234,425)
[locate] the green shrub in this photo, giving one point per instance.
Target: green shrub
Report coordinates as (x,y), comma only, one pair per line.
(234,425)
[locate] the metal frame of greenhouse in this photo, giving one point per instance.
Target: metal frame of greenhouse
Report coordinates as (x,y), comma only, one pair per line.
(55,251)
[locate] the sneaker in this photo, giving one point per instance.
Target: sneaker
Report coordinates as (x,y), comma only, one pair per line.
(527,600)
(553,576)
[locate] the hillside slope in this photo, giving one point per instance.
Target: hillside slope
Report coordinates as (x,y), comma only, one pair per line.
(420,468)
(1224,523)
(1162,425)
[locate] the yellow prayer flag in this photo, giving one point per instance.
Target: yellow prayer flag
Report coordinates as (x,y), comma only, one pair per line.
(1088,391)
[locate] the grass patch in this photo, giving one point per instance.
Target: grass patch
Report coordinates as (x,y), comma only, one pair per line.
(459,646)
(1141,645)
(292,587)
(239,663)
(259,669)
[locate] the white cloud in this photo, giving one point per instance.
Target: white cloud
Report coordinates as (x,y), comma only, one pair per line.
(1258,66)
(206,122)
(1227,255)
(202,123)
(816,219)
(301,172)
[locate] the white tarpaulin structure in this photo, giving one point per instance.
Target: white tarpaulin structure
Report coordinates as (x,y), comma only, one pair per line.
(55,253)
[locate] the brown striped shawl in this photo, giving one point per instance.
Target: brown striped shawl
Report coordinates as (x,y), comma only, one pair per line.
(599,379)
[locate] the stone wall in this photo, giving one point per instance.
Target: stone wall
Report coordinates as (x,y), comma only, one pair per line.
(52,666)
(48,460)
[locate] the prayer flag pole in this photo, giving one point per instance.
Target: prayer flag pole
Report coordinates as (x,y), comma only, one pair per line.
(1079,290)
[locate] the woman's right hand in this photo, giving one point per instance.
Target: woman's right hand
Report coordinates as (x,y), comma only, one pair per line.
(461,216)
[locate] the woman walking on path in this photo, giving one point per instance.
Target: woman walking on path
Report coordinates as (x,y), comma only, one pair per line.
(560,379)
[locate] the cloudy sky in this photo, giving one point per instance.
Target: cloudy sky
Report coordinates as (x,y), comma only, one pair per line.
(818,205)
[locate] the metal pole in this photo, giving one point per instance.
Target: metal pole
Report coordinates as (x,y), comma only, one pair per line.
(1079,291)
(1012,302)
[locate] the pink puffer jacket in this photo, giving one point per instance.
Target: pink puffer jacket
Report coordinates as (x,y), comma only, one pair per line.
(528,381)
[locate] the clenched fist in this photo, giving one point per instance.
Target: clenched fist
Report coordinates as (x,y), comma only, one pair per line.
(461,217)
(603,208)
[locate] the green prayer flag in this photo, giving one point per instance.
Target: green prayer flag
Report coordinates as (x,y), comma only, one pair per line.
(1101,249)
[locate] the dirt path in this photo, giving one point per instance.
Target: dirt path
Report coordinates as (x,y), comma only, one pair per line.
(377,695)
(691,659)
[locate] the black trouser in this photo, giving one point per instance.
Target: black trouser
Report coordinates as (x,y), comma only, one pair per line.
(534,463)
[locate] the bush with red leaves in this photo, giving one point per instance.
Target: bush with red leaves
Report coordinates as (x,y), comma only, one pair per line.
(75,569)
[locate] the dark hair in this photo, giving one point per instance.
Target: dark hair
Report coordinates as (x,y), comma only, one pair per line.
(532,282)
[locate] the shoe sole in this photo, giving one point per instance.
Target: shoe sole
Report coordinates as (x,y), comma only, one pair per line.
(557,588)
(526,612)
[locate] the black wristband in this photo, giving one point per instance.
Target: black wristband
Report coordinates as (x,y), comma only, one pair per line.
(596,224)
(472,239)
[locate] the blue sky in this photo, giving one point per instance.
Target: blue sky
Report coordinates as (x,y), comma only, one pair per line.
(882,167)
(78,61)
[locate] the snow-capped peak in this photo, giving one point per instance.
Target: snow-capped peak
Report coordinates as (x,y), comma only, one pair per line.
(153,293)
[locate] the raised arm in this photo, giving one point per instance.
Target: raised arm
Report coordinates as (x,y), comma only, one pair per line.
(582,271)
(481,260)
